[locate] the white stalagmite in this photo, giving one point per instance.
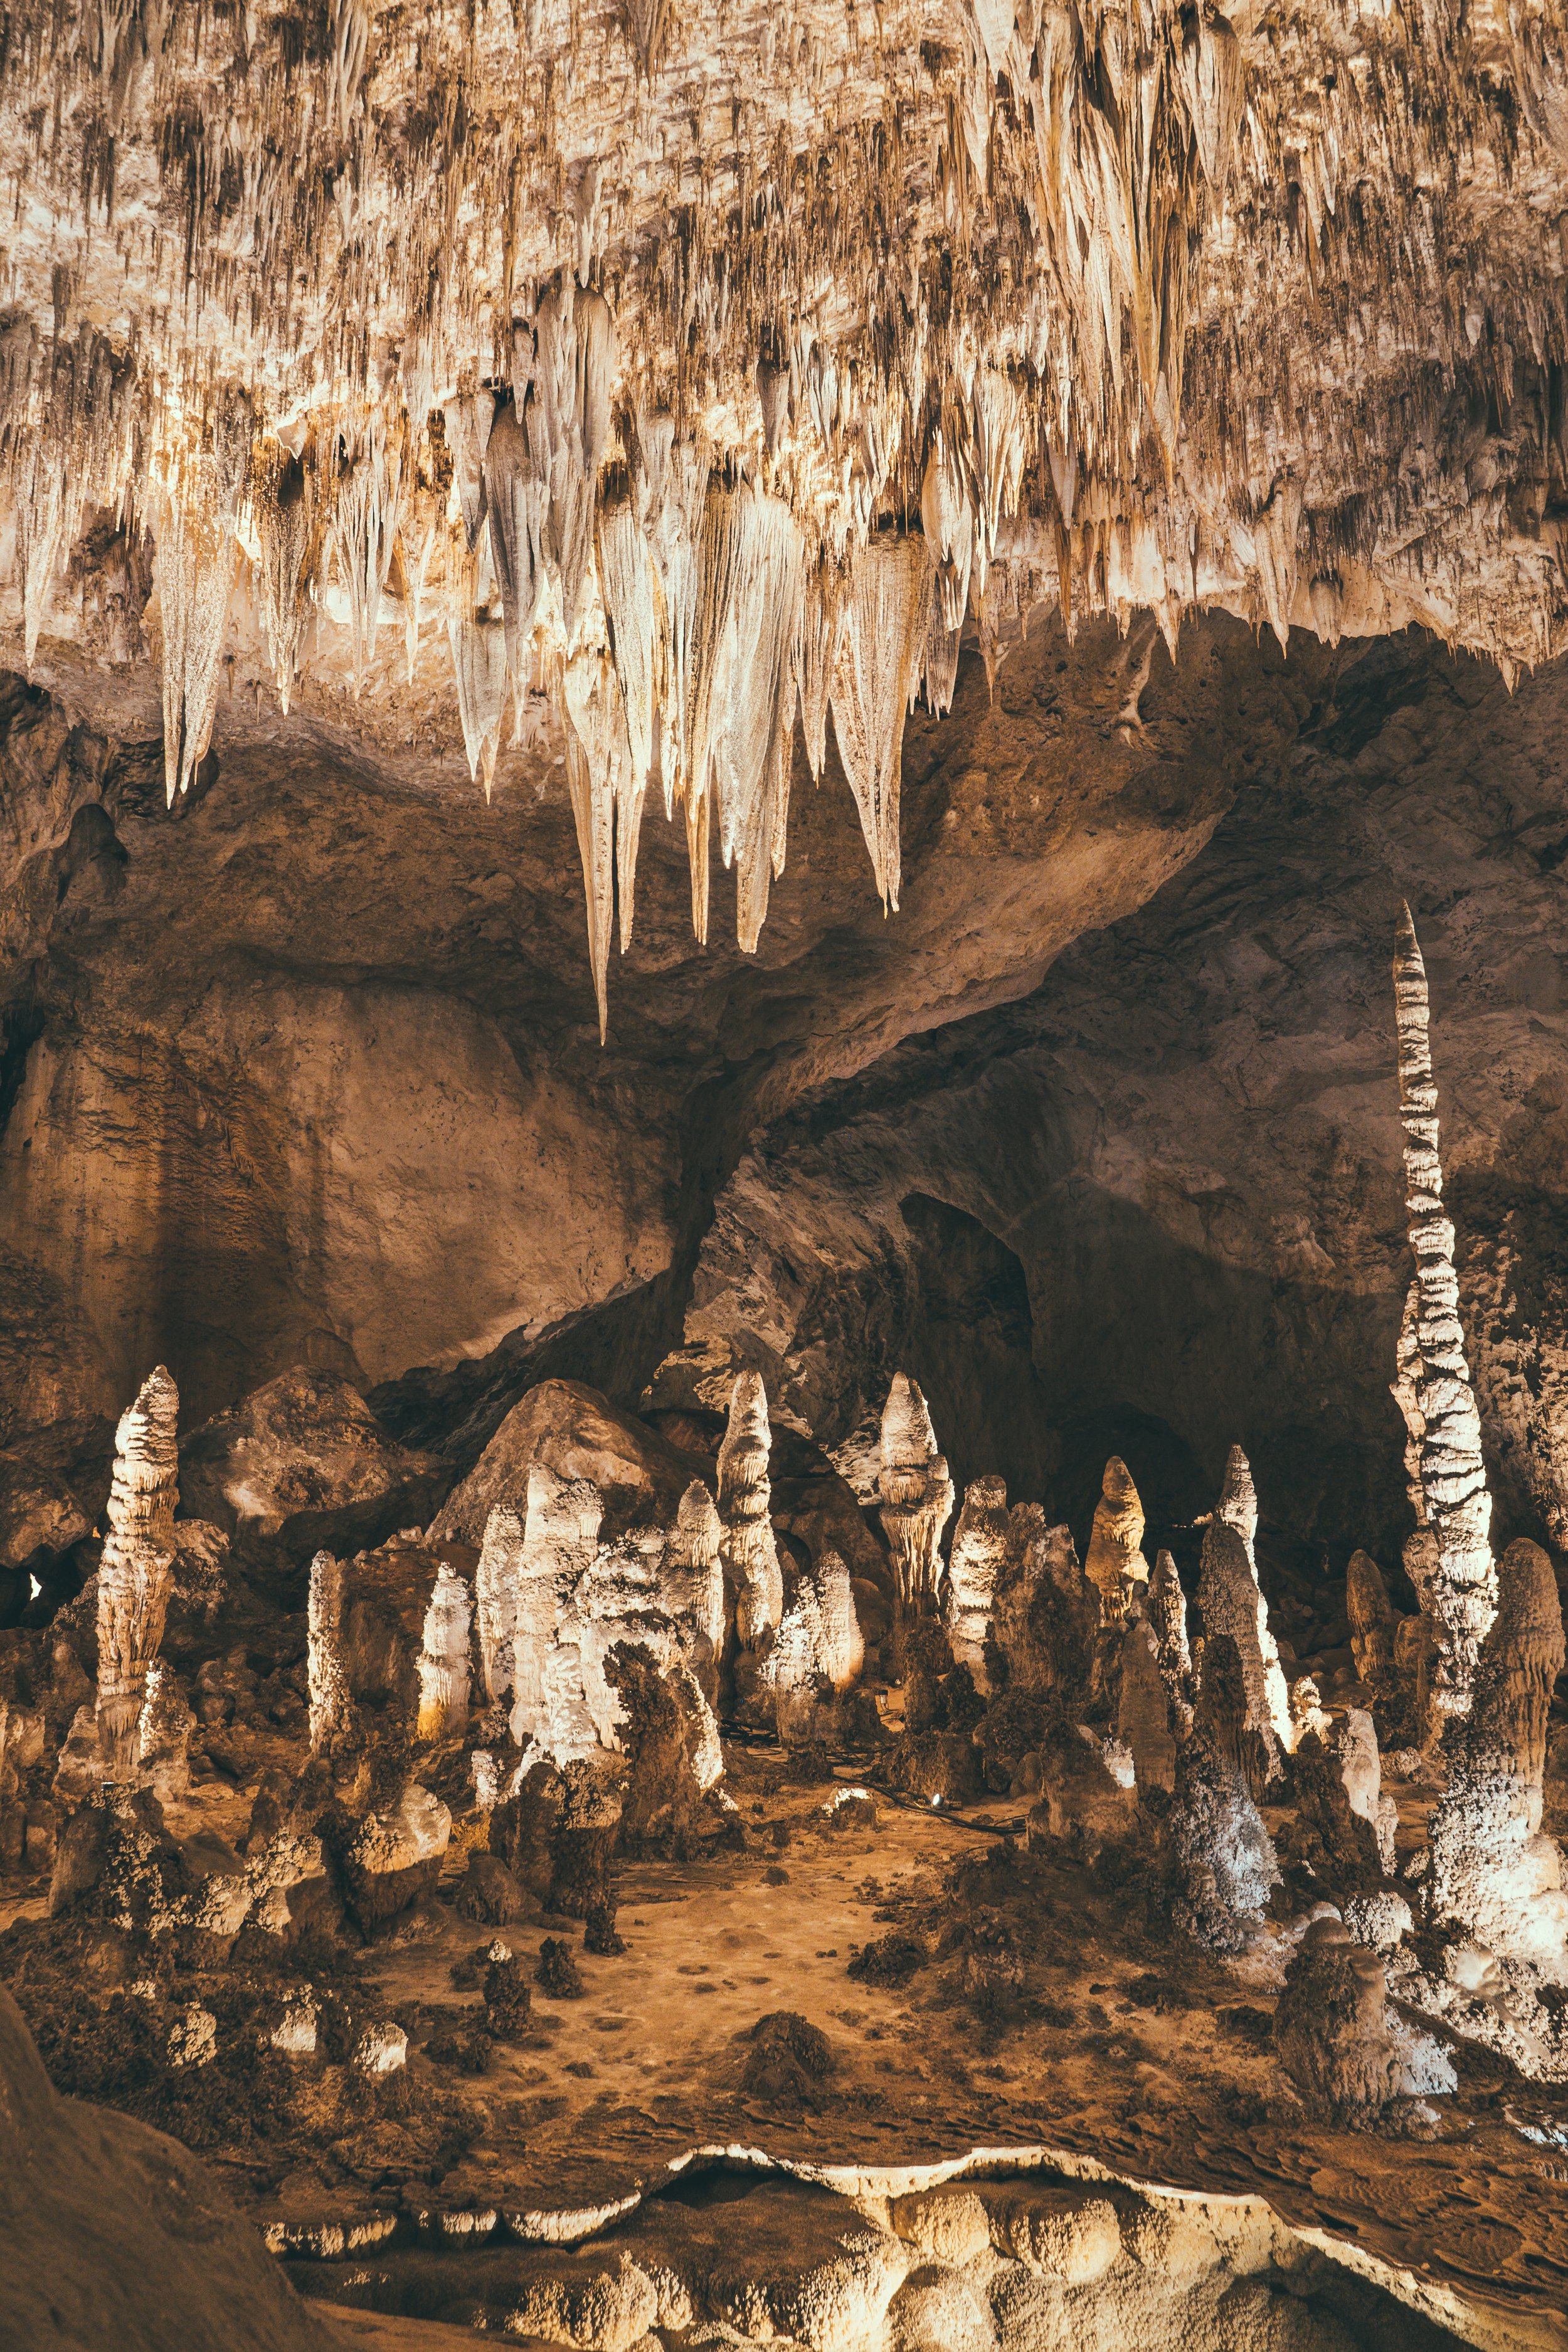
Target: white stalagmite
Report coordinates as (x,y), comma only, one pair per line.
(1268,1693)
(1441,1415)
(327,1682)
(977,1559)
(874,683)
(197,554)
(1114,1562)
(496,1583)
(136,1574)
(916,1495)
(694,1567)
(444,1673)
(745,1505)
(818,1650)
(560,1545)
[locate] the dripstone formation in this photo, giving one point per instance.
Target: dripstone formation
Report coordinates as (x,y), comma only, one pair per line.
(769,1672)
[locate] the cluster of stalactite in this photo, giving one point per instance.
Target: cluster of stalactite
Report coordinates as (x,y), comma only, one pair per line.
(692,390)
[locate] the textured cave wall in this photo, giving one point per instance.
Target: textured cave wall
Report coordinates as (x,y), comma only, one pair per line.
(1186,1142)
(311,1071)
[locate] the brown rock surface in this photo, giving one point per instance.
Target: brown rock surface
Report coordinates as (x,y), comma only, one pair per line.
(578,1433)
(304,1462)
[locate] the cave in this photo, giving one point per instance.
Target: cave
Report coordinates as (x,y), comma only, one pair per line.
(784,1246)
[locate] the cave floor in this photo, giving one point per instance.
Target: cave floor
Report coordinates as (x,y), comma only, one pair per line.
(1141,2056)
(1042,2026)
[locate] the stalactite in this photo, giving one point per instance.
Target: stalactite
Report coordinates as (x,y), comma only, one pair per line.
(365,529)
(631,609)
(754,562)
(596,780)
(286,511)
(197,554)
(822,632)
(479,667)
(1456,1504)
(516,501)
(873,687)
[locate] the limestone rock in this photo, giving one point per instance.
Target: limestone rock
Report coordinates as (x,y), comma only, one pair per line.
(331,1705)
(1143,1709)
(1167,1607)
(916,1492)
(1348,2053)
(575,1433)
(1339,1787)
(1114,1562)
(1046,1612)
(40,1517)
(817,1654)
(394,1856)
(496,1584)
(304,1462)
(115,2234)
(1221,1858)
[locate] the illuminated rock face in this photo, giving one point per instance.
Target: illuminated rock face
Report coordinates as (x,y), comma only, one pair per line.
(750,1551)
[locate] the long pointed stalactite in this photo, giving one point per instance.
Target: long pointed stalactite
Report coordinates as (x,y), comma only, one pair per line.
(1128,307)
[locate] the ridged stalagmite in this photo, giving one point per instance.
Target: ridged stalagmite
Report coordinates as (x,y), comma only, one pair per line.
(977,1561)
(1231,1602)
(327,1680)
(1167,1607)
(1114,1561)
(916,1494)
(136,1573)
(1491,1872)
(1433,1389)
(444,1672)
(745,1505)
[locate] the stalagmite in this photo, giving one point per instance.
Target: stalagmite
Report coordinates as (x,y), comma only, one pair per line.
(1143,1708)
(1371,1621)
(1492,1872)
(135,1575)
(1168,1616)
(977,1561)
(1114,1562)
(1228,1557)
(745,1502)
(1440,1414)
(495,1582)
(560,1545)
(1223,1861)
(874,684)
(916,1495)
(693,1572)
(444,1662)
(331,1707)
(817,1654)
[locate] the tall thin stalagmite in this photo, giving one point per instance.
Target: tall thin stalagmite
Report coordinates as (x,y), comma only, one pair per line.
(137,1572)
(1434,1390)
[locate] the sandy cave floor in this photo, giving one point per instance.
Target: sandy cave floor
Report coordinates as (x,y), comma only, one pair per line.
(1049,2028)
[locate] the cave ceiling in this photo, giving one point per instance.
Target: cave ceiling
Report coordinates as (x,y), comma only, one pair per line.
(574,394)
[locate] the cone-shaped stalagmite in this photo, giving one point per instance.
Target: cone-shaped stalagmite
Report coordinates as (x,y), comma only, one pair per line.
(1434,1390)
(745,1503)
(916,1495)
(1114,1562)
(136,1573)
